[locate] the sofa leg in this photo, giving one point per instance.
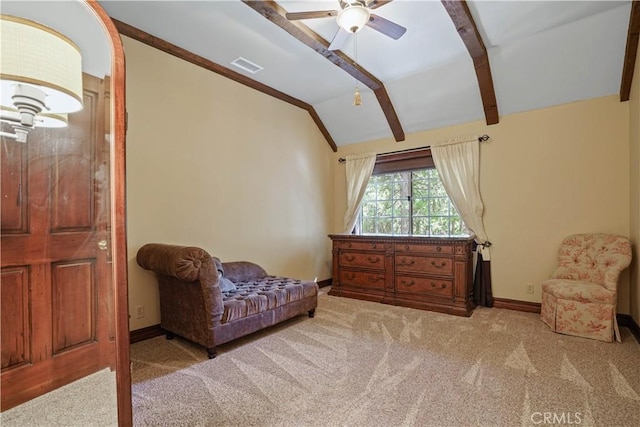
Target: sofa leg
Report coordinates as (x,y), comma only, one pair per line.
(312,313)
(211,352)
(170,336)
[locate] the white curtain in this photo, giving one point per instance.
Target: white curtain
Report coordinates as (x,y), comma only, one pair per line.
(458,164)
(359,169)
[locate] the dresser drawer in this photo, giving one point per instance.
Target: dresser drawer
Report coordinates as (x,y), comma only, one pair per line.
(424,249)
(354,259)
(363,279)
(423,285)
(362,246)
(424,264)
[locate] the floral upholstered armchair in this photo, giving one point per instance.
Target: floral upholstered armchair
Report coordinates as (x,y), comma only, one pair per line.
(581,295)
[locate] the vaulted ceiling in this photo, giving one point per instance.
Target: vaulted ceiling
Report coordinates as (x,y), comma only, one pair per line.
(457,62)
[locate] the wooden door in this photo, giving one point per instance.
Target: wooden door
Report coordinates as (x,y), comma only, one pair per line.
(56,284)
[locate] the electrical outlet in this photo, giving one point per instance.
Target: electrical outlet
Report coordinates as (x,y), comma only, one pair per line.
(529,288)
(140,312)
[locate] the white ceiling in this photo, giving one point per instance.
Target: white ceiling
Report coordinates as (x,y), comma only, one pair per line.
(541,53)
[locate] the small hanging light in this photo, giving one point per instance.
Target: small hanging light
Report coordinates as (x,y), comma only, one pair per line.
(357,99)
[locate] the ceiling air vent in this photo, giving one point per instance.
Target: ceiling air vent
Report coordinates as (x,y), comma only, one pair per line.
(246,65)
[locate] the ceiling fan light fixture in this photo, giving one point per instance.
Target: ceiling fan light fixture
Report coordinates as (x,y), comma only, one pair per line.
(353,17)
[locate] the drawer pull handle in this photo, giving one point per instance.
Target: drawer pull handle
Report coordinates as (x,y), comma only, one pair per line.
(406,247)
(438,265)
(373,246)
(373,259)
(349,257)
(440,285)
(350,276)
(347,245)
(374,279)
(411,283)
(438,249)
(407,262)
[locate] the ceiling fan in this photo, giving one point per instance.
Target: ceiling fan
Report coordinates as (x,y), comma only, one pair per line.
(353,16)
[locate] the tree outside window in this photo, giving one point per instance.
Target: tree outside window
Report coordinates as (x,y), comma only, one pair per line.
(409,203)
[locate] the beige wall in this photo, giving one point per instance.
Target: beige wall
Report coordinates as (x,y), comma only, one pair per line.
(544,174)
(634,148)
(215,164)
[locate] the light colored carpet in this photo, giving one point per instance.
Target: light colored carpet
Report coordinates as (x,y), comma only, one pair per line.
(87,402)
(359,363)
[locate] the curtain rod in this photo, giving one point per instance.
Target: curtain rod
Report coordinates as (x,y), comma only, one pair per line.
(482,138)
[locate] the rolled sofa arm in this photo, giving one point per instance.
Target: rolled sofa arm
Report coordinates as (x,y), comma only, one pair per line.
(191,302)
(187,263)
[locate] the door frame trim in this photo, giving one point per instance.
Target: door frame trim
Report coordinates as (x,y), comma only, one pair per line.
(118,215)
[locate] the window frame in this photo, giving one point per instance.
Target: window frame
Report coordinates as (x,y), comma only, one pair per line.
(399,162)
(403,161)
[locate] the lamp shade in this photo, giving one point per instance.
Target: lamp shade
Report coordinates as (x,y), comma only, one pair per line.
(353,17)
(35,55)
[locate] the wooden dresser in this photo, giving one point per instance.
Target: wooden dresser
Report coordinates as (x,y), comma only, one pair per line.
(428,273)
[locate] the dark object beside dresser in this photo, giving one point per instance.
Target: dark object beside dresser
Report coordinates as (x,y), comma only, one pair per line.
(428,273)
(193,306)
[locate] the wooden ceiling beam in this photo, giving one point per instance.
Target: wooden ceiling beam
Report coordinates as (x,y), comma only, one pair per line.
(185,55)
(276,14)
(630,52)
(374,4)
(460,14)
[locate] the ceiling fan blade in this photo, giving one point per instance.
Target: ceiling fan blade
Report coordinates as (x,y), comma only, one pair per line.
(386,27)
(292,16)
(338,40)
(374,4)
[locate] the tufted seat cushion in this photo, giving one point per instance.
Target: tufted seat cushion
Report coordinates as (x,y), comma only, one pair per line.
(261,295)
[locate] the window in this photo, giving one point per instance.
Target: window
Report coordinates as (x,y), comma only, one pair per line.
(406,197)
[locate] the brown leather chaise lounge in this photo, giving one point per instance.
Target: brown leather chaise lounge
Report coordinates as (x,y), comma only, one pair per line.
(198,300)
